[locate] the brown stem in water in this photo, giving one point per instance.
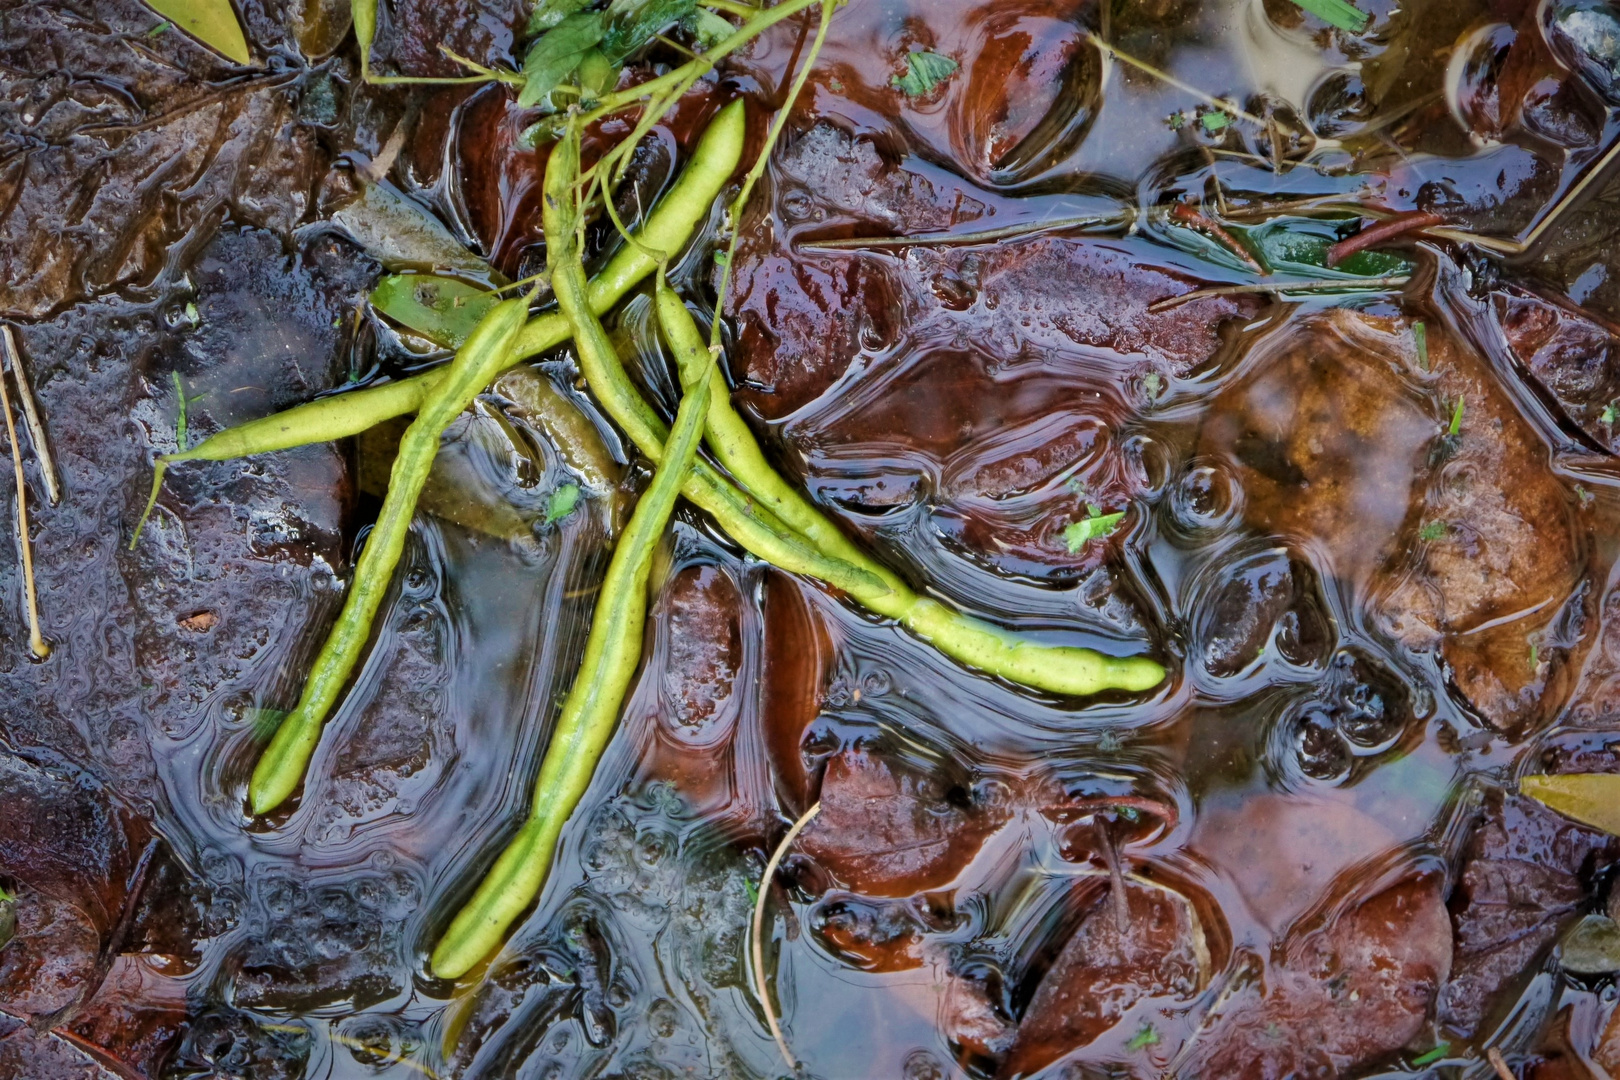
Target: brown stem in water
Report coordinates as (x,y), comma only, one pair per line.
(36,642)
(1373,235)
(36,427)
(1186,215)
(1280,287)
(1494,1056)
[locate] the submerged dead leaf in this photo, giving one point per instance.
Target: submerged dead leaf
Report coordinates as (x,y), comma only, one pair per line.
(1590,798)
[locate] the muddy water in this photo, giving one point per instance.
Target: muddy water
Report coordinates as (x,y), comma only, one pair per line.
(1372,623)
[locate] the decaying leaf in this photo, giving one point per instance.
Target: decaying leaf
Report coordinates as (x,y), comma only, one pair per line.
(1590,798)
(442,309)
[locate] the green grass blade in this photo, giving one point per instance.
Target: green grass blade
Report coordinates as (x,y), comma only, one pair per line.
(1340,13)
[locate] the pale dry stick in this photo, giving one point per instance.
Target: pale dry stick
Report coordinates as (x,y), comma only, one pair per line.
(758,945)
(1519,247)
(1494,1056)
(35,641)
(1323,285)
(944,239)
(36,429)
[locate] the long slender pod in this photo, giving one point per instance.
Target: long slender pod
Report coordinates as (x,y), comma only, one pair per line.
(667,229)
(589,714)
(1060,669)
(487,352)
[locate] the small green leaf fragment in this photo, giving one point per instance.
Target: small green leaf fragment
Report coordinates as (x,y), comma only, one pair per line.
(159,29)
(191,313)
(212,22)
(1215,121)
(1429,1057)
(1590,798)
(5,897)
(552,58)
(1176,120)
(1433,531)
(1609,414)
(1535,656)
(925,71)
(708,29)
(1456,418)
(722,257)
(1144,1038)
(1339,13)
(181,439)
(548,13)
(1153,383)
(753,891)
(1420,339)
(561,503)
(1093,527)
(442,309)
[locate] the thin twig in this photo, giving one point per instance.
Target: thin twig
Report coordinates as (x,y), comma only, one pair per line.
(1279,287)
(1519,247)
(746,11)
(511,78)
(1494,1056)
(1170,80)
(36,429)
(35,641)
(1186,215)
(758,944)
(945,239)
(1388,229)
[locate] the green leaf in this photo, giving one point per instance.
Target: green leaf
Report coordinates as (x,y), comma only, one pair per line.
(181,439)
(562,503)
(1457,418)
(1144,1038)
(1345,16)
(548,13)
(1433,531)
(212,22)
(160,29)
(1093,527)
(1215,121)
(598,74)
(5,897)
(364,14)
(1590,798)
(442,309)
(554,57)
(1609,414)
(707,28)
(924,72)
(1429,1057)
(633,23)
(1294,245)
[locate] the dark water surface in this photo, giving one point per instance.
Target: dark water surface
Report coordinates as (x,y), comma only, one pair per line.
(1302,855)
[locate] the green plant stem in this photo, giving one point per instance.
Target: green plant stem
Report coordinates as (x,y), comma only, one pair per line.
(281,768)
